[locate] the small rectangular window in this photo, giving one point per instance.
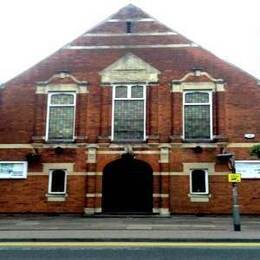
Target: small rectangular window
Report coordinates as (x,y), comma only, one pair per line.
(199,182)
(197,115)
(60,117)
(57,181)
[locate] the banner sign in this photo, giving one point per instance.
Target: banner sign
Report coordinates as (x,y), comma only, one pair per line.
(13,170)
(248,169)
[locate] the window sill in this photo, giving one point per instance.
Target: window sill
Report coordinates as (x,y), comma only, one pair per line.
(56,197)
(198,140)
(60,141)
(199,197)
(128,141)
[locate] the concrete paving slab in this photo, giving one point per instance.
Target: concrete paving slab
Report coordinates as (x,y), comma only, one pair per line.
(74,227)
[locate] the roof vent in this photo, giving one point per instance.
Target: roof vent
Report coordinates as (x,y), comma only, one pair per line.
(128,27)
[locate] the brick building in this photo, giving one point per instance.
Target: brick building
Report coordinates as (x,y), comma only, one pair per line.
(128,118)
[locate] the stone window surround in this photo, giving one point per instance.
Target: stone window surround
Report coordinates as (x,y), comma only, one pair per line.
(47,168)
(211,85)
(75,86)
(210,168)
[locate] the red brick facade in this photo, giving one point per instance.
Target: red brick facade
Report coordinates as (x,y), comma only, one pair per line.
(23,115)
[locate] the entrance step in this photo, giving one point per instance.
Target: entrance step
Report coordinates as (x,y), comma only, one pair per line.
(124,215)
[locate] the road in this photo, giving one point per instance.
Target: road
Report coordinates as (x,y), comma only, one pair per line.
(128,250)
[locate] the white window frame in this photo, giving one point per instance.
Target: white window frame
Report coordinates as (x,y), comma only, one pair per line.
(129,86)
(50,94)
(196,104)
(50,182)
(206,182)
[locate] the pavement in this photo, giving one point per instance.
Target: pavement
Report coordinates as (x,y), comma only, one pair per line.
(127,228)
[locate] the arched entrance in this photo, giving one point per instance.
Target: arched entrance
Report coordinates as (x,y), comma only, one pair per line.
(127,187)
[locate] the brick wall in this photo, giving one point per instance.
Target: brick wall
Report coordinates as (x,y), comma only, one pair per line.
(23,118)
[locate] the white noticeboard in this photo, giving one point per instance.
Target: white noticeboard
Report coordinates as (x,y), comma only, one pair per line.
(248,169)
(13,170)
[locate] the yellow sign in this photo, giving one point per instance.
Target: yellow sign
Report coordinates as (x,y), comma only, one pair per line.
(234,177)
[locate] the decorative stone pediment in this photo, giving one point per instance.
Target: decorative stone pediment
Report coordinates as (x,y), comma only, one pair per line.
(62,81)
(198,80)
(129,68)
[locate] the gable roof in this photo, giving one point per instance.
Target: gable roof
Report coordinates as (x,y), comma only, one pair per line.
(150,40)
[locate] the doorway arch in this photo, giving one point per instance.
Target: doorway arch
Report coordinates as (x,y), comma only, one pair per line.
(127,187)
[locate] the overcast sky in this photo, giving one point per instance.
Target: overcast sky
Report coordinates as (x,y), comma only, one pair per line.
(31,30)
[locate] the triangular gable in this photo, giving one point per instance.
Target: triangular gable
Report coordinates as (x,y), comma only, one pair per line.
(129,68)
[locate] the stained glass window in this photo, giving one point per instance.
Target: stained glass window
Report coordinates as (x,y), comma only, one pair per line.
(61,116)
(197,97)
(137,92)
(121,92)
(62,99)
(197,115)
(129,113)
